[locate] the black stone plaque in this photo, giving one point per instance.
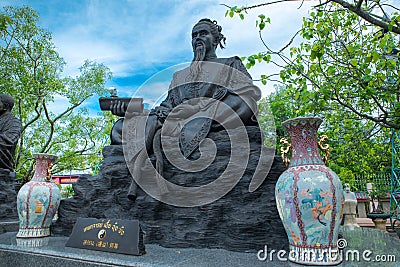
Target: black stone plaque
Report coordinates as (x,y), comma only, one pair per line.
(110,235)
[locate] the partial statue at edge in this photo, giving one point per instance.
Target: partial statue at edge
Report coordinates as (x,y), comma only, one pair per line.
(10,131)
(199,89)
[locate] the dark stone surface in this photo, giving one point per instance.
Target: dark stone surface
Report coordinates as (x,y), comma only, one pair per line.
(239,221)
(9,226)
(54,253)
(8,196)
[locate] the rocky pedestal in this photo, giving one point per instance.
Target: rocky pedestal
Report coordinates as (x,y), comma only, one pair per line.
(8,196)
(239,221)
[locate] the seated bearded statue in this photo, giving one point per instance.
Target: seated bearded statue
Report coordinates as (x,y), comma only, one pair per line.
(212,94)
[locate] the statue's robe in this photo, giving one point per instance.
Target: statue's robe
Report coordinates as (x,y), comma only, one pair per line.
(222,96)
(225,80)
(10,131)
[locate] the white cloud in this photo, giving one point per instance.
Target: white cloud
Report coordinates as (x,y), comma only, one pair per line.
(153,93)
(243,36)
(59,105)
(135,36)
(129,36)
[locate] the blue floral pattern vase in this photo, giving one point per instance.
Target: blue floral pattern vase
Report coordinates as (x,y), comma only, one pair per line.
(38,200)
(310,198)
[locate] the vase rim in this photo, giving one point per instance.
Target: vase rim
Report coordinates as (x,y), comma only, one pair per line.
(302,119)
(45,155)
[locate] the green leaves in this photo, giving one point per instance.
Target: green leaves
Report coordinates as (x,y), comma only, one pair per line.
(262,21)
(257,58)
(331,70)
(357,146)
(236,10)
(349,63)
(264,79)
(31,71)
(344,70)
(354,62)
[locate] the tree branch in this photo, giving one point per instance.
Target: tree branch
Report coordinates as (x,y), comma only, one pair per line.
(37,116)
(69,109)
(358,6)
(8,44)
(396,8)
(50,136)
(323,4)
(382,122)
(259,5)
(367,16)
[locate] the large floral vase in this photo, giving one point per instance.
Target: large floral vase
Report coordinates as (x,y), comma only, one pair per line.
(310,198)
(38,200)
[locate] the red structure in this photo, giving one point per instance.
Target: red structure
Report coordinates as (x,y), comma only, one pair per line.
(65,179)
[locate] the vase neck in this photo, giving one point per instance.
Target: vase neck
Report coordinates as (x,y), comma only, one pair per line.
(42,169)
(303,137)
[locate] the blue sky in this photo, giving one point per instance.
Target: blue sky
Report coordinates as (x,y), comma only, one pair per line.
(138,39)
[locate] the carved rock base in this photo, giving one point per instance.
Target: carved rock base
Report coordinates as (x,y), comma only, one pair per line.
(8,196)
(239,221)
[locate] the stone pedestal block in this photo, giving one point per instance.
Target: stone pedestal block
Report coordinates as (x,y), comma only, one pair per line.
(8,196)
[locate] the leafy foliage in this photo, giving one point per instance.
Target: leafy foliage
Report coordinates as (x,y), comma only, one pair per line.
(374,12)
(349,63)
(67,191)
(31,71)
(345,70)
(357,146)
(341,58)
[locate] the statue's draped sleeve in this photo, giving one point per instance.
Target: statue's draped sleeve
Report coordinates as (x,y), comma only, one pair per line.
(242,90)
(242,84)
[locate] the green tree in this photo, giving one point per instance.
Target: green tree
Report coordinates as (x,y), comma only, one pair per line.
(347,55)
(285,104)
(31,71)
(380,13)
(344,69)
(357,146)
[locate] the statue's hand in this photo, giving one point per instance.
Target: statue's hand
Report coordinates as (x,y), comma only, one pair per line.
(118,108)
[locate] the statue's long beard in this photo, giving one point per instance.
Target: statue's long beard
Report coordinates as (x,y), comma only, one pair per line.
(195,66)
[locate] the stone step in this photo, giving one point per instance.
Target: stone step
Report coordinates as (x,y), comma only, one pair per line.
(53,252)
(9,226)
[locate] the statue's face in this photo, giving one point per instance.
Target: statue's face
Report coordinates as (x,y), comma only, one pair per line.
(202,36)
